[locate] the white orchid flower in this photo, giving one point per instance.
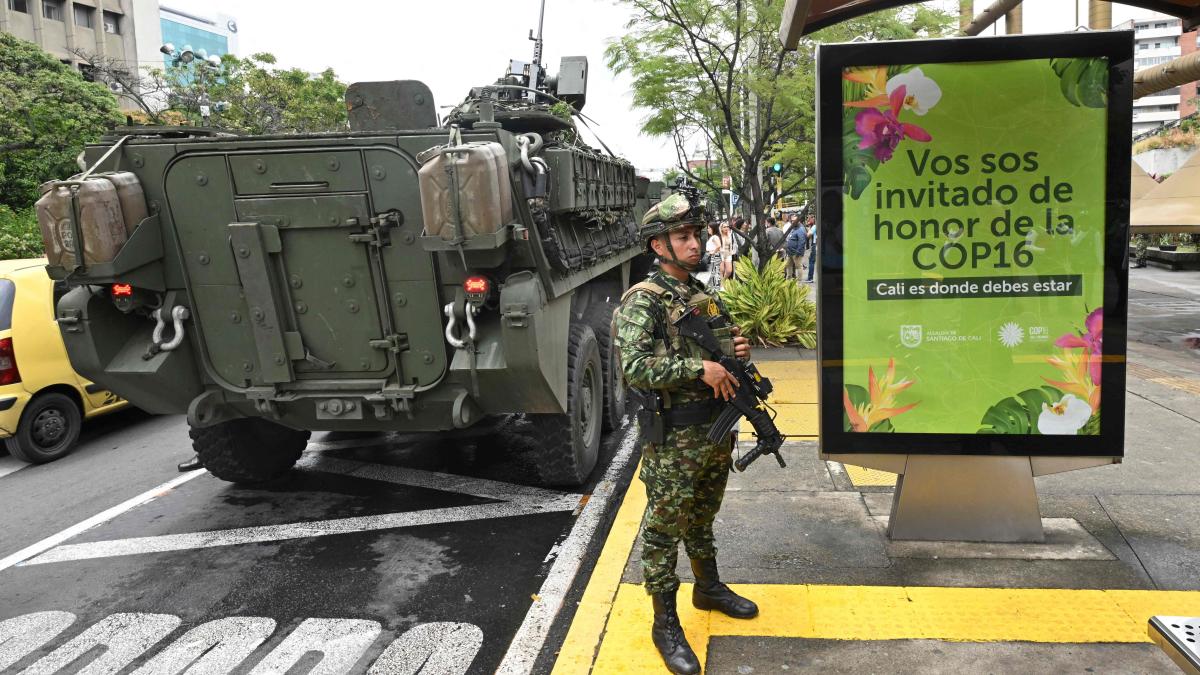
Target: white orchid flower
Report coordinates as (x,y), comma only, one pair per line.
(1064,418)
(922,92)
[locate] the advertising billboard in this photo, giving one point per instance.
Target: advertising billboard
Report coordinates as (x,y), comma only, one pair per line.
(973,230)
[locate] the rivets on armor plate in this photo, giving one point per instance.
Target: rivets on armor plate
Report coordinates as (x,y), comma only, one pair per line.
(334,164)
(378,173)
(260,166)
(201,179)
(400,299)
(235,317)
(138,161)
(409,238)
(247,366)
(243,252)
(364,364)
(301,308)
(202,259)
(352,306)
(427,358)
(296,281)
(348,281)
(279,359)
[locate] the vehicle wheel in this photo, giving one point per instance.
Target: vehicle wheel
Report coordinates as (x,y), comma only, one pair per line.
(599,317)
(248,450)
(48,430)
(569,444)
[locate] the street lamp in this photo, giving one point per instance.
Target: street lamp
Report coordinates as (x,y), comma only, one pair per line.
(206,63)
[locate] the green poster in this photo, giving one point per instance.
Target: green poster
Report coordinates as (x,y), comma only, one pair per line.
(973,236)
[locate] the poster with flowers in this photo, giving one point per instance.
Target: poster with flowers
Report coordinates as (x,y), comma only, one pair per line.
(973,246)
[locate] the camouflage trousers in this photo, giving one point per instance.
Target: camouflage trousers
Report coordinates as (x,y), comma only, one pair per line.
(685,482)
(1140,243)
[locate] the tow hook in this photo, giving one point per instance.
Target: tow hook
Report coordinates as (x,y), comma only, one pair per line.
(452,330)
(178,315)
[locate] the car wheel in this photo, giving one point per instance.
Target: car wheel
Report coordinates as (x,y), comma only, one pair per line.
(48,430)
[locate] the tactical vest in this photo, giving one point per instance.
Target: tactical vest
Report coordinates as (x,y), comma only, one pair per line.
(673,344)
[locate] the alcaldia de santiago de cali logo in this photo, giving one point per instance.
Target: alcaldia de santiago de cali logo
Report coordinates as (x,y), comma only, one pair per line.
(910,335)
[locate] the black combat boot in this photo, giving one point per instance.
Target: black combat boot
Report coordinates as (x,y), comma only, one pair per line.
(668,636)
(710,593)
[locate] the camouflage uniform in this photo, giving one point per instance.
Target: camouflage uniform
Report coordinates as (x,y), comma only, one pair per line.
(685,475)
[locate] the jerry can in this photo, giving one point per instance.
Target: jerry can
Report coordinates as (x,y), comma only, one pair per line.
(478,173)
(100,202)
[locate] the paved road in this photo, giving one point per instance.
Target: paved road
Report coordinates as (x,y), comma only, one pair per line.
(1164,309)
(378,554)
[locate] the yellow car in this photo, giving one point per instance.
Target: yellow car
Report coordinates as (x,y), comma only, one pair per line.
(43,401)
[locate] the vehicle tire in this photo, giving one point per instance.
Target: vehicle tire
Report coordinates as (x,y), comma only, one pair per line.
(48,430)
(599,317)
(568,445)
(248,450)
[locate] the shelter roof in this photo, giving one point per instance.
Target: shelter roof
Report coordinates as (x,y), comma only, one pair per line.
(1173,202)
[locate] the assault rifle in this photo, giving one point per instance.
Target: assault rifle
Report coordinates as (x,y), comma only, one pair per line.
(749,399)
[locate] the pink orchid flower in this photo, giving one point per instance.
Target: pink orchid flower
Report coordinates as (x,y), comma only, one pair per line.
(1092,342)
(882,131)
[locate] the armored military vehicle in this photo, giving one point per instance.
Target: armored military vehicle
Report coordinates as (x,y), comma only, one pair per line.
(410,274)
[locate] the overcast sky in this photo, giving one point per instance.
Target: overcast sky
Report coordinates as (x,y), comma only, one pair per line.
(453,45)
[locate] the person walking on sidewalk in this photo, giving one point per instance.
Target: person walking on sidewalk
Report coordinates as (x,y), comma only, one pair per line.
(680,387)
(812,247)
(797,244)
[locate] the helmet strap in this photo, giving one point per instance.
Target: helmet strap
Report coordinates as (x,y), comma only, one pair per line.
(674,259)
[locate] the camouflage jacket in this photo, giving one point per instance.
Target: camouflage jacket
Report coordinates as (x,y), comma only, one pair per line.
(653,355)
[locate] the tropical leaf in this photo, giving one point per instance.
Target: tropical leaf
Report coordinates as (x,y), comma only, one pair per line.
(1018,414)
(1091,427)
(769,308)
(1083,81)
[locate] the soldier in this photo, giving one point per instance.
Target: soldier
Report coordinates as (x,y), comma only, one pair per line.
(681,389)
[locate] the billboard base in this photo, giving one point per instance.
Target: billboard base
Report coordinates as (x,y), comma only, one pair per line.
(966,498)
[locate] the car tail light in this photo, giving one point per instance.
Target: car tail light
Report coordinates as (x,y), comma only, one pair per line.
(477,288)
(122,290)
(8,363)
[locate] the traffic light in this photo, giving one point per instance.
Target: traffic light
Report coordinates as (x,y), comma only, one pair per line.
(777,168)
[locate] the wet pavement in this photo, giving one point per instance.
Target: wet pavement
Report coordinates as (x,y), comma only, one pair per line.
(377,554)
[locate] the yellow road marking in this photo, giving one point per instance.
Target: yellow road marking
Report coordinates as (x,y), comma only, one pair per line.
(579,647)
(863,477)
(896,613)
(1164,378)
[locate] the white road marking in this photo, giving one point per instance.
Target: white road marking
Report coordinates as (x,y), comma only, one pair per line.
(531,636)
(440,648)
(213,647)
(476,487)
(20,635)
(316,528)
(102,517)
(124,636)
(10,464)
(340,641)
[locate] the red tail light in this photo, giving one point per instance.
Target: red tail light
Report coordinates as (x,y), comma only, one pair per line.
(8,363)
(122,290)
(476,285)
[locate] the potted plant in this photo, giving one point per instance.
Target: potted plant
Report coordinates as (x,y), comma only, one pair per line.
(1166,243)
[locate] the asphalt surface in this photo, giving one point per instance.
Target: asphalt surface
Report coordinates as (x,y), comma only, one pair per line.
(377,554)
(1164,309)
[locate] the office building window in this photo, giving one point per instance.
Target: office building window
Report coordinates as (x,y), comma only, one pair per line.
(1144,45)
(88,72)
(52,9)
(112,23)
(18,6)
(1161,24)
(84,15)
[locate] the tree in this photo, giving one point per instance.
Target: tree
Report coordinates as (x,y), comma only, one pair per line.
(50,113)
(247,95)
(714,71)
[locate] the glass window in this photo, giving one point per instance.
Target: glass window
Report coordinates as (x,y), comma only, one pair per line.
(1144,45)
(8,291)
(52,9)
(112,23)
(84,15)
(18,6)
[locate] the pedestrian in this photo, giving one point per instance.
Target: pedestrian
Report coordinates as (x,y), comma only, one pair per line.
(713,247)
(796,246)
(729,253)
(812,248)
(775,238)
(684,472)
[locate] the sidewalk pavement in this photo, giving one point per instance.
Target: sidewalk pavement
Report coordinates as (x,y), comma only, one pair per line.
(808,544)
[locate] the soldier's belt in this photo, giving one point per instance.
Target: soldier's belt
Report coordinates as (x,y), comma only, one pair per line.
(690,414)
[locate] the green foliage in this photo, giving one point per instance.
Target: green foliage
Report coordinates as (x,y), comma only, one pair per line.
(49,113)
(859,396)
(1083,81)
(770,308)
(1019,415)
(257,97)
(19,234)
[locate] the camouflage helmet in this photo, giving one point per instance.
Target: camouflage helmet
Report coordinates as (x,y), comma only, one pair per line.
(672,213)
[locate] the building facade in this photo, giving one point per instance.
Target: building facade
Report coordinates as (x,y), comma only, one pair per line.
(62,27)
(216,35)
(1158,39)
